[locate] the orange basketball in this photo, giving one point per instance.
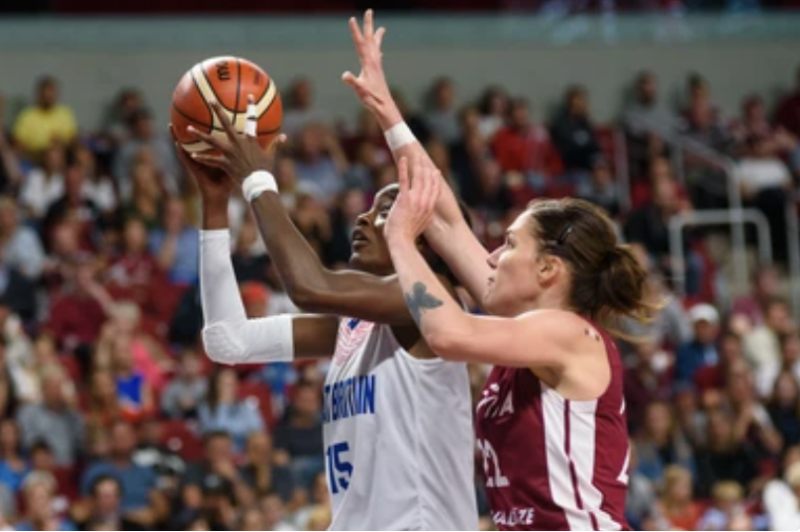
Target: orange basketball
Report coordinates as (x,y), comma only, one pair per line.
(229,80)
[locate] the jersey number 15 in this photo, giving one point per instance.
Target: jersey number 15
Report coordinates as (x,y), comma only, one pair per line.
(339,469)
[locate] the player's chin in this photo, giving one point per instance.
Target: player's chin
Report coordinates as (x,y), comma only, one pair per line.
(358,261)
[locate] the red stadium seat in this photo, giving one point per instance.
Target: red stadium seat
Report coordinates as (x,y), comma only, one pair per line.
(262,395)
(181,439)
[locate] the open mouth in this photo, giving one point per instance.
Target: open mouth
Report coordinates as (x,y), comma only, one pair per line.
(359,239)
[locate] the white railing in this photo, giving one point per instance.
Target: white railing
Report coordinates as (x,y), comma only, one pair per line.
(735,216)
(713,217)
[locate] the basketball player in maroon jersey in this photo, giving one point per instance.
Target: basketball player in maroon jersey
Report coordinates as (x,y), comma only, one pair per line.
(551,422)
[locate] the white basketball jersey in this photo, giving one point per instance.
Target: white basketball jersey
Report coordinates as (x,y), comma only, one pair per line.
(399,446)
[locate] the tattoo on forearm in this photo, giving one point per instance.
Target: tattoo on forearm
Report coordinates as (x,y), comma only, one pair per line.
(419,299)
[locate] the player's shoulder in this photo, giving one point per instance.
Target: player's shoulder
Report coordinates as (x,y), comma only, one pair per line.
(565,328)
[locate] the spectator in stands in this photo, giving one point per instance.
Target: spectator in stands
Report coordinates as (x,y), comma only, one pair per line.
(784,408)
(416,122)
(155,453)
(78,309)
(273,511)
(671,326)
(661,442)
(74,206)
(649,124)
(54,420)
(649,225)
(523,146)
(144,198)
(788,114)
(135,274)
(762,345)
(260,470)
(724,456)
(102,509)
(767,373)
(763,287)
(493,107)
(103,404)
(702,350)
(715,378)
(20,361)
(601,188)
(144,134)
(365,162)
(176,244)
(141,502)
(10,170)
(574,136)
(298,434)
(766,185)
(47,121)
(349,206)
(127,103)
(17,292)
(224,411)
(184,394)
(321,163)
(647,381)
(97,188)
(19,244)
(442,117)
(704,129)
(782,496)
(39,489)
(728,497)
(699,96)
(13,466)
(675,509)
(755,123)
(752,423)
(300,111)
(44,185)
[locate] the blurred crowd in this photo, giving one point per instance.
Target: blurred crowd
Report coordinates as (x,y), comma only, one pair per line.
(113,418)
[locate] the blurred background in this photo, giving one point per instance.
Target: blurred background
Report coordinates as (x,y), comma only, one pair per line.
(681,118)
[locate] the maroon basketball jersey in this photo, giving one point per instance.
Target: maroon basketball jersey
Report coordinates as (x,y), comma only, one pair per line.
(550,463)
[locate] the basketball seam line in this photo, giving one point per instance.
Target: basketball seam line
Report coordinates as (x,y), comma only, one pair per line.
(238,81)
(188,117)
(274,97)
(266,89)
(200,93)
(213,128)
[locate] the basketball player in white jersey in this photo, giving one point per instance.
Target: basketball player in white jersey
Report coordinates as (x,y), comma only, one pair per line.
(397,420)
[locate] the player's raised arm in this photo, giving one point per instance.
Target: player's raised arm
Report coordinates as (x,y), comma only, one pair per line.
(228,336)
(448,234)
(450,332)
(308,283)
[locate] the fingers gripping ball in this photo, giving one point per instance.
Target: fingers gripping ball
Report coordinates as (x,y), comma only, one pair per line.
(228,80)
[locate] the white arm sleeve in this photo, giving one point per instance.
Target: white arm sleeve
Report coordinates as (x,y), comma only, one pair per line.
(228,336)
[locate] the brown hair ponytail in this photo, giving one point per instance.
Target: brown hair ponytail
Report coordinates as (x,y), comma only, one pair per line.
(608,282)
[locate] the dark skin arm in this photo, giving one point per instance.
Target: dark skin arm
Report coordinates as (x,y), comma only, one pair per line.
(314,336)
(308,283)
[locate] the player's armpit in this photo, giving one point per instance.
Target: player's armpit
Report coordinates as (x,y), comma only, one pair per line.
(314,336)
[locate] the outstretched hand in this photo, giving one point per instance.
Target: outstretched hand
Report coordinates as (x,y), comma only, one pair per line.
(415,205)
(214,185)
(370,85)
(239,154)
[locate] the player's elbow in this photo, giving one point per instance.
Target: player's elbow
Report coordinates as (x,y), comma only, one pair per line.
(221,343)
(443,343)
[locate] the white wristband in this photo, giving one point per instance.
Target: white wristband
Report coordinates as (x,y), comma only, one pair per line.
(258,182)
(398,136)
